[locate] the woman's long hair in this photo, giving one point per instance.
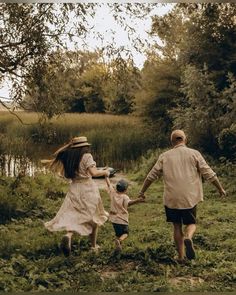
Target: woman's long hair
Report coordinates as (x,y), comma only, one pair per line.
(70,159)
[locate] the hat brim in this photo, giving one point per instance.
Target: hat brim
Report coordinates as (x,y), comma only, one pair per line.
(80,145)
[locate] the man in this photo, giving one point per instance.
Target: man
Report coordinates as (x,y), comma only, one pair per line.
(182,169)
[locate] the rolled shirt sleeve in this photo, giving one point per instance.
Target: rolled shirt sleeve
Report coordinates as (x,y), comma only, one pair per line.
(204,169)
(156,171)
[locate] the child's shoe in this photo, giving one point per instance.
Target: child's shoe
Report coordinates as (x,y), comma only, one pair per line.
(65,246)
(118,245)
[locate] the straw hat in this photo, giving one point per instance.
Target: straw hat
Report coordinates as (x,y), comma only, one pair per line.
(79,142)
(177,134)
(74,143)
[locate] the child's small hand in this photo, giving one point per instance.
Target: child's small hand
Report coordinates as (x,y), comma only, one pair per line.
(141,200)
(141,196)
(107,173)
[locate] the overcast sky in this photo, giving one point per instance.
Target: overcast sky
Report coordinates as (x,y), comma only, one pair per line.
(103,23)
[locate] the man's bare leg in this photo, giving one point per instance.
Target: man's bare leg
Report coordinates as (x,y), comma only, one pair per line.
(179,240)
(189,232)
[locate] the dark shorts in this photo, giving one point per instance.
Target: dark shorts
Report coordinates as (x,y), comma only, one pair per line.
(120,229)
(183,216)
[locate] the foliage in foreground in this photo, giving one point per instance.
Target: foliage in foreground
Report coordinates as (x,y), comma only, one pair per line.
(30,258)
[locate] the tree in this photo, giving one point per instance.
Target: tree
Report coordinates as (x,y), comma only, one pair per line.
(49,88)
(207,114)
(90,88)
(29,33)
(195,58)
(123,82)
(158,94)
(71,81)
(200,34)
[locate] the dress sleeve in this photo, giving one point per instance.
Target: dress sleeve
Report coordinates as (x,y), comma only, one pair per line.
(89,161)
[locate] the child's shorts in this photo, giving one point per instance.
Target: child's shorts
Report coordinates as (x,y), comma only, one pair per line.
(120,229)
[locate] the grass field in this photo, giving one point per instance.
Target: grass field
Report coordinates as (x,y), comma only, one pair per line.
(30,259)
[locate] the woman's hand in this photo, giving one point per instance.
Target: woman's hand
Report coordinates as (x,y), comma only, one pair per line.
(106,173)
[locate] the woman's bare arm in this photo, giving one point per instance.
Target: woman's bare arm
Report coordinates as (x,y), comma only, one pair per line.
(96,173)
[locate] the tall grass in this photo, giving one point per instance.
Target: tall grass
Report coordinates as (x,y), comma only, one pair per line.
(116,140)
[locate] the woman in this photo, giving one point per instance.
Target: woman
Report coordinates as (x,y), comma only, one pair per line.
(82,210)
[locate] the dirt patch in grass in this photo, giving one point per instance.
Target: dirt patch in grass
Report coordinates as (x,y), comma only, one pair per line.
(191,281)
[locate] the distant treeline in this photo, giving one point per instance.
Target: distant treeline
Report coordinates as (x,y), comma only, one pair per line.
(187,83)
(188,80)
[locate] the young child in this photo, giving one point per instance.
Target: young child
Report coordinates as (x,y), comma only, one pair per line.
(119,215)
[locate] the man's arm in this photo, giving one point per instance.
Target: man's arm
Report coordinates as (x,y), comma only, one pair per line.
(218,185)
(154,174)
(145,186)
(209,174)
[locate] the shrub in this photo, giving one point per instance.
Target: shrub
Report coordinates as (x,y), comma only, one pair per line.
(227,141)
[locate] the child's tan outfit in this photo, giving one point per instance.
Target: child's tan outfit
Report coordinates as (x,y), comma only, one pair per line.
(119,215)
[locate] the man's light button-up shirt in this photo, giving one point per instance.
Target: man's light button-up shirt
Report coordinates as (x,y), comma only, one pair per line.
(182,168)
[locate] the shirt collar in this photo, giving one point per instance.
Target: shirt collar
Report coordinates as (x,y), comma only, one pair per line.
(179,145)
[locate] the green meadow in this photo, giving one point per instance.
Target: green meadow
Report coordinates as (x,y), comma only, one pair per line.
(30,257)
(31,260)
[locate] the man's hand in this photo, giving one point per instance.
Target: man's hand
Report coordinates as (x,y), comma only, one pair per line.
(141,200)
(141,195)
(222,193)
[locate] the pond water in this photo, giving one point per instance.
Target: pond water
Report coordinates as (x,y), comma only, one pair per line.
(11,165)
(25,159)
(29,163)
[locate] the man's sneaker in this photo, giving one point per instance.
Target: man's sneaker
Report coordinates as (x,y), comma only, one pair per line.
(190,253)
(65,246)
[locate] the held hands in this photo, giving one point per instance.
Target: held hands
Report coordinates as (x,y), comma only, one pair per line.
(141,200)
(141,195)
(106,172)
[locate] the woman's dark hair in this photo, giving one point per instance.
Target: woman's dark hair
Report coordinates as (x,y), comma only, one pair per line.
(70,159)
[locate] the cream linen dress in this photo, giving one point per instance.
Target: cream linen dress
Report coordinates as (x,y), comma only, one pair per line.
(82,207)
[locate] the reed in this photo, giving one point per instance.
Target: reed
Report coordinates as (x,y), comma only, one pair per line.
(116,140)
